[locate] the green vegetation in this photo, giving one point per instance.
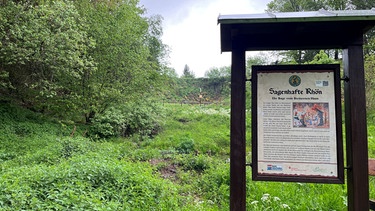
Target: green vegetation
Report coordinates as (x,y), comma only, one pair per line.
(47,164)
(77,59)
(85,122)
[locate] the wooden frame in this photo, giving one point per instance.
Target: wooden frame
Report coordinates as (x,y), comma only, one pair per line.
(272,158)
(298,31)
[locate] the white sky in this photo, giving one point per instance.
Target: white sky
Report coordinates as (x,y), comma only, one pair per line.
(191,30)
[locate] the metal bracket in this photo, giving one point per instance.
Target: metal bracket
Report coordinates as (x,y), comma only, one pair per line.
(346,79)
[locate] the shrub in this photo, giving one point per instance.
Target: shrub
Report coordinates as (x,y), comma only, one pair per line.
(86,184)
(215,183)
(198,163)
(71,146)
(139,118)
(186,145)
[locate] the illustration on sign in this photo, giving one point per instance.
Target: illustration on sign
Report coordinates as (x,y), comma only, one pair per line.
(311,115)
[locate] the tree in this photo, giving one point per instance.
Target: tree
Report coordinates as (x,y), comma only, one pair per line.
(326,57)
(312,5)
(187,73)
(370,81)
(322,58)
(369,40)
(158,50)
(305,56)
(259,59)
(294,5)
(363,5)
(128,52)
(218,72)
(43,54)
(80,57)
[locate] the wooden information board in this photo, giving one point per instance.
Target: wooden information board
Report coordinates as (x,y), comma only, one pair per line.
(297,126)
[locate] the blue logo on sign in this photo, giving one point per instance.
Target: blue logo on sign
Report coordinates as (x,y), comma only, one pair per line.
(274,168)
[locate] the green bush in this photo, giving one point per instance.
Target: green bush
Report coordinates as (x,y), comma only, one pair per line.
(141,118)
(71,146)
(214,184)
(186,145)
(87,183)
(198,163)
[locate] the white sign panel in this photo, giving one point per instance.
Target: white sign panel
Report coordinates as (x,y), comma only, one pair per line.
(296,116)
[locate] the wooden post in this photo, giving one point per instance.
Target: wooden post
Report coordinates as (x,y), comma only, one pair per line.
(237,132)
(356,128)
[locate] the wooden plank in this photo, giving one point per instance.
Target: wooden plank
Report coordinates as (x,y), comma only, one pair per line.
(356,128)
(237,132)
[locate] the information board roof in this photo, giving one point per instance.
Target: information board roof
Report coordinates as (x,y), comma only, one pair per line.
(295,30)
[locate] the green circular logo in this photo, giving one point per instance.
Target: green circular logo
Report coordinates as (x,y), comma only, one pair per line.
(294,80)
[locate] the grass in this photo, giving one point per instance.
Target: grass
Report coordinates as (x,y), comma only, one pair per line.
(185,167)
(371,147)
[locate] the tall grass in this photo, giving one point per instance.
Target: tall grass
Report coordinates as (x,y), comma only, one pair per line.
(371,149)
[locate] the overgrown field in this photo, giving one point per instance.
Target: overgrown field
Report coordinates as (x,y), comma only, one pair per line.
(44,166)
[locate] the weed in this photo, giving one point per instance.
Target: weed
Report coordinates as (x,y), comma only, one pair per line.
(198,163)
(186,146)
(268,202)
(183,167)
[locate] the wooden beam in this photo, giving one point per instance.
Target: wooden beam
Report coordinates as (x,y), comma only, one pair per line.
(237,132)
(356,128)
